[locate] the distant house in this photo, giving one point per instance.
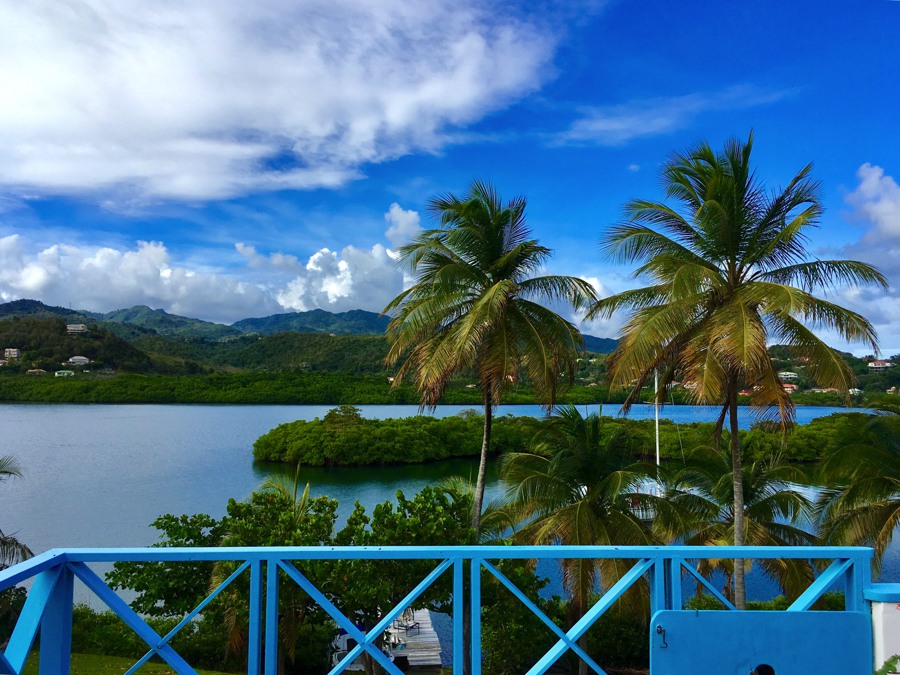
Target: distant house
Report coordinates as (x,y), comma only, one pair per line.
(64,373)
(854,392)
(36,371)
(3,362)
(12,353)
(79,360)
(787,376)
(789,388)
(878,366)
(76,328)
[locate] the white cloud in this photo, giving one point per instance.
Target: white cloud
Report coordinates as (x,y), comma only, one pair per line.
(277,261)
(620,124)
(876,206)
(353,279)
(617,280)
(217,98)
(877,200)
(404,225)
(101,278)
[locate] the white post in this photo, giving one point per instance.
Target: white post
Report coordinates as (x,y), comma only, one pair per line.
(656,411)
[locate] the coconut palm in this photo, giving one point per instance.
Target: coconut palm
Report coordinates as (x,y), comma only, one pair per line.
(581,486)
(495,520)
(860,505)
(775,510)
(475,306)
(730,273)
(12,550)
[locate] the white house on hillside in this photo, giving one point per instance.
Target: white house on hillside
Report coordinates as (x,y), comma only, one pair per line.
(12,353)
(787,376)
(79,360)
(878,366)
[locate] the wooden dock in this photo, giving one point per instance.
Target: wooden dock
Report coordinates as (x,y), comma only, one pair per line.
(414,644)
(421,646)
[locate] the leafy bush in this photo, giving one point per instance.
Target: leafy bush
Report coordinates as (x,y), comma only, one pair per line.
(202,643)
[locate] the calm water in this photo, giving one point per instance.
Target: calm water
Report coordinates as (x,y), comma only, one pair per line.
(98,475)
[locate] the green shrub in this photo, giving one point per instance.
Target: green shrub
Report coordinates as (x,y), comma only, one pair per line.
(202,642)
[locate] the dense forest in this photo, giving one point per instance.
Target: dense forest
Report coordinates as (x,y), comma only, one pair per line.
(162,358)
(343,437)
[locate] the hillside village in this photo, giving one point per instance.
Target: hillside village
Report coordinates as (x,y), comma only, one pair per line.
(38,340)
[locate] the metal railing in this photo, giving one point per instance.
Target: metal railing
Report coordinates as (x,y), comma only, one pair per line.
(49,603)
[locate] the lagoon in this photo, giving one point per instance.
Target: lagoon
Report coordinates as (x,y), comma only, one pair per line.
(98,475)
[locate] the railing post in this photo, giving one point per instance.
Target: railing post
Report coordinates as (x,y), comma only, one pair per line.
(475,612)
(254,638)
(271,617)
(658,585)
(459,603)
(56,626)
(859,578)
(673,576)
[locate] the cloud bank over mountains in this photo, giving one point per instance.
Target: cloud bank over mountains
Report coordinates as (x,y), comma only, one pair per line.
(216,98)
(355,277)
(105,278)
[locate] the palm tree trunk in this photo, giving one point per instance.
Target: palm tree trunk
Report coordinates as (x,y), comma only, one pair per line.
(482,464)
(740,594)
(583,640)
(720,422)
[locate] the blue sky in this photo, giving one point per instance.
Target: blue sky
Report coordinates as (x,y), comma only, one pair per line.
(223,160)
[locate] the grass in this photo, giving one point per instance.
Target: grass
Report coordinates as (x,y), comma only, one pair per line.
(91,664)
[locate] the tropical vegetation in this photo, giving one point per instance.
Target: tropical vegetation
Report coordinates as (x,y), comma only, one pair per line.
(730,272)
(581,486)
(777,511)
(292,367)
(474,305)
(860,505)
(11,549)
(343,437)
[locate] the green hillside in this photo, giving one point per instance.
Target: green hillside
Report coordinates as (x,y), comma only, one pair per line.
(599,345)
(163,323)
(359,354)
(354,322)
(33,308)
(45,344)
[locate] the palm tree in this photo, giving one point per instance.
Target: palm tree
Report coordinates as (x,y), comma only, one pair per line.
(730,273)
(12,550)
(474,306)
(581,486)
(860,505)
(774,510)
(495,520)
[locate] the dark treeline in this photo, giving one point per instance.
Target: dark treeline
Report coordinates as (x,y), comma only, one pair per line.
(344,438)
(296,388)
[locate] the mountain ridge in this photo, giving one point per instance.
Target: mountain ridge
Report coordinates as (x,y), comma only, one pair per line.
(132,322)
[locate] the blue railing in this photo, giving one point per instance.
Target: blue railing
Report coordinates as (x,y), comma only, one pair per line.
(49,604)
